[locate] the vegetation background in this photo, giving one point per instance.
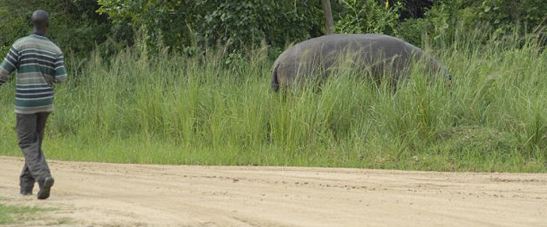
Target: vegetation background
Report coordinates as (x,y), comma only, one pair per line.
(187,82)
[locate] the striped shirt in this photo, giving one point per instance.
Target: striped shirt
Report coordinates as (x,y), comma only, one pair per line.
(39,64)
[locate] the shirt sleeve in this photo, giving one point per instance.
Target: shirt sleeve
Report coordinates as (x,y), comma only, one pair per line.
(60,69)
(10,63)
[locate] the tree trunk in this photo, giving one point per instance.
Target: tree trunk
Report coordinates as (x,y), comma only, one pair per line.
(329,22)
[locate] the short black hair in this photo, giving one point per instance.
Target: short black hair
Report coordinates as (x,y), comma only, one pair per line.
(40,19)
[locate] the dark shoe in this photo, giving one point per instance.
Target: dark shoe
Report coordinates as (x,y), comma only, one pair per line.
(45,187)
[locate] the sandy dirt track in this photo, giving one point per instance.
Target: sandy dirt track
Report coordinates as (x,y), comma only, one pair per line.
(95,194)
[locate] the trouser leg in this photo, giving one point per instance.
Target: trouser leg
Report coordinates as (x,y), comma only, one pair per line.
(26,181)
(30,128)
(40,127)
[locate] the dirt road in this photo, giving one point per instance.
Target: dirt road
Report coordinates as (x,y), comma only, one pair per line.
(94,194)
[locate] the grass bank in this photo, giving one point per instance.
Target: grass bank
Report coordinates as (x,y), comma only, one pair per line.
(172,109)
(10,214)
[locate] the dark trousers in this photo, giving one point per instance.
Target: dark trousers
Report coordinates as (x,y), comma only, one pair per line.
(30,131)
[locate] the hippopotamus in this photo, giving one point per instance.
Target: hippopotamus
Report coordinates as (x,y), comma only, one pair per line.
(375,54)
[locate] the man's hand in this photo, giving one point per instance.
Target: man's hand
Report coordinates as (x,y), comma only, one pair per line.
(4,76)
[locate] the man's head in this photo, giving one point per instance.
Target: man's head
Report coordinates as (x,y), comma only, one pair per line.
(40,21)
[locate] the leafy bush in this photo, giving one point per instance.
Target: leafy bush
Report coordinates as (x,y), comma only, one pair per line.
(368,16)
(499,16)
(204,23)
(11,29)
(74,24)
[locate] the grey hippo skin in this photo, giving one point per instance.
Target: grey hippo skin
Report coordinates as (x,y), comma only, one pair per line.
(375,54)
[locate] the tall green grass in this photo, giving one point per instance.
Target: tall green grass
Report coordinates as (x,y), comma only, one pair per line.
(172,109)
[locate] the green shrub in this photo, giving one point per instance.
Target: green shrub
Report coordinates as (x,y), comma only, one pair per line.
(234,25)
(368,16)
(74,24)
(495,17)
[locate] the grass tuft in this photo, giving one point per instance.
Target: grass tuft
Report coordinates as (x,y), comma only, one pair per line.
(17,214)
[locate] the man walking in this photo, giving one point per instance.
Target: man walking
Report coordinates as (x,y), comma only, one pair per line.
(39,64)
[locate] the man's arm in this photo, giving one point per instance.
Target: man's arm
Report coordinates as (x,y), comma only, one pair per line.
(60,69)
(9,65)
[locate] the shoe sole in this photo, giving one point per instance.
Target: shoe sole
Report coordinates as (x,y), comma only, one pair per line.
(44,191)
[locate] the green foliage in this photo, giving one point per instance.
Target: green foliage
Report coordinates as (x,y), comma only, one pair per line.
(369,16)
(412,30)
(498,17)
(74,25)
(503,14)
(205,23)
(190,26)
(413,8)
(11,29)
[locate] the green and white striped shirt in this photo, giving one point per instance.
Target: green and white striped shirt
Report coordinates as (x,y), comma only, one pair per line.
(39,64)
